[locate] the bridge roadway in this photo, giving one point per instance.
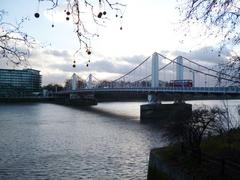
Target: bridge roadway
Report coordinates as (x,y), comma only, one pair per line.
(187,90)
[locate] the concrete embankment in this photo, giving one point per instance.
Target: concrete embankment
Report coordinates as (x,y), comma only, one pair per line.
(158,168)
(25,99)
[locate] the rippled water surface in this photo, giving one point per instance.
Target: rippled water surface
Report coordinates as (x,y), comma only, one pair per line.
(47,141)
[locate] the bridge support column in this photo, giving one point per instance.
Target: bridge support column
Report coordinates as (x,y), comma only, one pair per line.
(74,82)
(179,75)
(152,98)
(155,74)
(90,82)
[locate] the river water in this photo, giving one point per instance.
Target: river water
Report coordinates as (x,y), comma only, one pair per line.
(48,141)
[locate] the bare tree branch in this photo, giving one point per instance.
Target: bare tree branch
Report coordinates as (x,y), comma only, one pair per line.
(97,10)
(14,44)
(222,15)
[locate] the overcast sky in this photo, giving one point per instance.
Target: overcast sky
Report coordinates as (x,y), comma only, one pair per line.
(148,26)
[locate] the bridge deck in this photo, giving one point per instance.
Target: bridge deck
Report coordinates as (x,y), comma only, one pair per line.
(213,90)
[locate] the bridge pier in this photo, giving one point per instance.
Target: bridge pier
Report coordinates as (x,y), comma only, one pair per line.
(75,99)
(157,113)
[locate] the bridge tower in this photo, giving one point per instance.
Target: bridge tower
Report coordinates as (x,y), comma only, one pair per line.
(156,112)
(74,82)
(155,74)
(179,74)
(90,82)
(152,98)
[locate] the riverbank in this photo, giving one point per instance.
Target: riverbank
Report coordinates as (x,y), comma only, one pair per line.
(41,99)
(219,160)
(28,99)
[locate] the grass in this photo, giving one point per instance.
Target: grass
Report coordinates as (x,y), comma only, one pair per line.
(225,146)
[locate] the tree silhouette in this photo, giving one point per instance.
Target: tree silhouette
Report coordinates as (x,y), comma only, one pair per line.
(222,19)
(220,16)
(14,44)
(205,120)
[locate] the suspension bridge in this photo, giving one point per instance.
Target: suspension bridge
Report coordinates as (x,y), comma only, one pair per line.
(157,76)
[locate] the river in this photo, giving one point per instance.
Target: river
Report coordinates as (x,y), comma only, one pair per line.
(48,141)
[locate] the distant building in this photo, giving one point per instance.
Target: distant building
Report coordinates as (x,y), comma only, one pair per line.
(19,82)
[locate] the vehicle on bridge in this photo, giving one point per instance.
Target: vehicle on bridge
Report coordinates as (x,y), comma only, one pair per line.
(180,83)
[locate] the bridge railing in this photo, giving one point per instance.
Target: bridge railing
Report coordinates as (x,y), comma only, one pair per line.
(219,90)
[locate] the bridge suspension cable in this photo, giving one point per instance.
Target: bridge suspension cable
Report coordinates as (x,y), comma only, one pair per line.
(198,70)
(131,70)
(158,70)
(95,78)
(210,68)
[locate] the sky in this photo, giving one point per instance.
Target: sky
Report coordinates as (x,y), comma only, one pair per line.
(148,26)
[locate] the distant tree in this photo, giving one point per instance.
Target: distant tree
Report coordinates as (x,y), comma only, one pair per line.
(205,120)
(53,87)
(104,84)
(14,44)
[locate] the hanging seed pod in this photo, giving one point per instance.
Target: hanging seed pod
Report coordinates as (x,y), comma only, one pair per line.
(37,15)
(68,13)
(99,14)
(67,18)
(87,65)
(116,15)
(52,25)
(121,28)
(74,65)
(104,13)
(88,52)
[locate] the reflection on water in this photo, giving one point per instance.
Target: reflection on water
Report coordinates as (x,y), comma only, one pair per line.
(47,141)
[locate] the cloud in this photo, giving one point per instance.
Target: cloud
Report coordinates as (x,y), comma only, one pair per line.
(56,65)
(137,59)
(58,53)
(50,54)
(206,55)
(101,66)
